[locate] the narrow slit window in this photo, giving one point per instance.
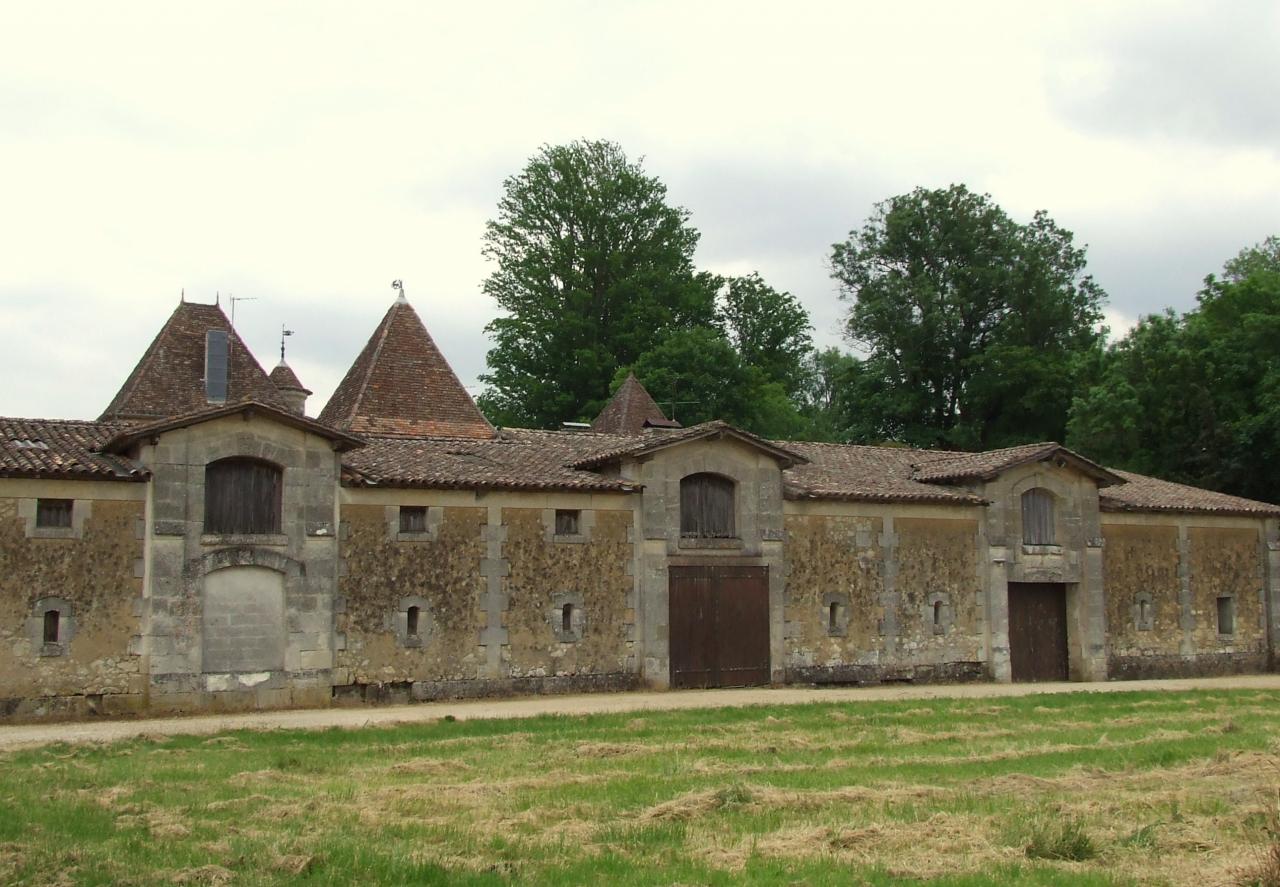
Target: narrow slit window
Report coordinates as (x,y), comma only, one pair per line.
(413,518)
(567,521)
(411,621)
(833,616)
(566,618)
(52,626)
(1144,611)
(937,614)
(1226,615)
(53,513)
(1037,517)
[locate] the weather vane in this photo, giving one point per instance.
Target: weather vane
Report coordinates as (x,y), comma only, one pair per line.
(283,332)
(398,286)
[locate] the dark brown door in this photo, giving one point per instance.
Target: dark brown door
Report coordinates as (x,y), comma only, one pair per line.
(1038,631)
(719,626)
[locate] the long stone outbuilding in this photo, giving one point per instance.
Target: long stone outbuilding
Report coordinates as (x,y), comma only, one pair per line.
(204,546)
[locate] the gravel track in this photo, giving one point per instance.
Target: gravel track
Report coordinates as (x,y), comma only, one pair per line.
(17,736)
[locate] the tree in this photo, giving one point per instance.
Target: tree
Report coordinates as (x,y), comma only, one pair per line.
(1196,398)
(593,269)
(976,327)
(769,329)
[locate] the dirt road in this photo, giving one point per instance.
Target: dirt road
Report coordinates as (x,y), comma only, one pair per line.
(352,718)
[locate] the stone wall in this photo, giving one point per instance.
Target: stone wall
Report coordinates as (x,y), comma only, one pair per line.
(1164,576)
(90,574)
(590,574)
(877,594)
(182,558)
(382,576)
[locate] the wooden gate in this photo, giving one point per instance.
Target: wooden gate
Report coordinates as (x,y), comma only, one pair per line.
(719,626)
(1038,631)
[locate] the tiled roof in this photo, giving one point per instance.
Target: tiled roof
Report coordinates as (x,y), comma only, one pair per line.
(516,459)
(948,467)
(285,379)
(169,379)
(631,410)
(400,384)
(127,435)
(1142,493)
(873,474)
(657,439)
(61,448)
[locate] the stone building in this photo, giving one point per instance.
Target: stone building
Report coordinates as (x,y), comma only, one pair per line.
(204,545)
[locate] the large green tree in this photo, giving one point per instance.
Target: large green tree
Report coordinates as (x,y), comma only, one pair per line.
(769,329)
(1196,397)
(594,268)
(976,327)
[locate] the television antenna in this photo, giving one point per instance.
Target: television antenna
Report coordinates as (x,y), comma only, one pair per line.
(234,299)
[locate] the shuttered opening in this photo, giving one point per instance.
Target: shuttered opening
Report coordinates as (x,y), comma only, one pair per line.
(706,507)
(1037,517)
(242,496)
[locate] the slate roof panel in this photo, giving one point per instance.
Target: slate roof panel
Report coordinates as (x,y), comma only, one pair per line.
(169,379)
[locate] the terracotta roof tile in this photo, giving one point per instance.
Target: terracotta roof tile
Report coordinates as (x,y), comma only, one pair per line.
(873,474)
(946,467)
(61,448)
(1142,493)
(659,438)
(169,379)
(400,384)
(517,459)
(631,410)
(285,379)
(129,434)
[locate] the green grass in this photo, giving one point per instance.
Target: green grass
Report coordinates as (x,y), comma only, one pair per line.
(1114,788)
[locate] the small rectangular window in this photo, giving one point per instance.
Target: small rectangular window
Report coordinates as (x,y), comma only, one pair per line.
(413,518)
(1226,615)
(567,522)
(53,512)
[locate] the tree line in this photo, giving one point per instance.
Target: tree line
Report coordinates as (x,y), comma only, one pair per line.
(967,330)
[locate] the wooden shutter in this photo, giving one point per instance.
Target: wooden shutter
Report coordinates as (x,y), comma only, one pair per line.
(1037,517)
(242,496)
(707,507)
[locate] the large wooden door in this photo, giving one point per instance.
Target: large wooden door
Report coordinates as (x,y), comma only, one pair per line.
(719,626)
(1038,631)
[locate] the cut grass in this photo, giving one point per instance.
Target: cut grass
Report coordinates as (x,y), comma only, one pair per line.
(1073,789)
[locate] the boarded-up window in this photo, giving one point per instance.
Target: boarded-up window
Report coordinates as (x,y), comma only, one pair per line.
(242,496)
(413,519)
(1037,517)
(706,507)
(53,512)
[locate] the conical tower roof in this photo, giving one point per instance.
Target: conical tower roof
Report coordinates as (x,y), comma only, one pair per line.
(285,379)
(169,379)
(402,385)
(631,410)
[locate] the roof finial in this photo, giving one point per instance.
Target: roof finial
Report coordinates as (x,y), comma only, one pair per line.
(182,296)
(283,332)
(398,286)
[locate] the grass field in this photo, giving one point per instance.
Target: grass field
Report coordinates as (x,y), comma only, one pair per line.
(1066,789)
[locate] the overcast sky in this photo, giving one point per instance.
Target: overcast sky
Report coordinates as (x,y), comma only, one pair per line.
(304,155)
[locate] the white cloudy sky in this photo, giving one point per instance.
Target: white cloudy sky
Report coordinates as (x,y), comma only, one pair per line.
(304,155)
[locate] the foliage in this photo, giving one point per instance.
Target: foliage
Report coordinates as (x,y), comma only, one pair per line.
(769,329)
(975,326)
(1196,398)
(594,267)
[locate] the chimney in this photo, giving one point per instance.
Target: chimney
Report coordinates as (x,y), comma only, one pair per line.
(215,366)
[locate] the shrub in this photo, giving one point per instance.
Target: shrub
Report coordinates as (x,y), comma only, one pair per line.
(1059,838)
